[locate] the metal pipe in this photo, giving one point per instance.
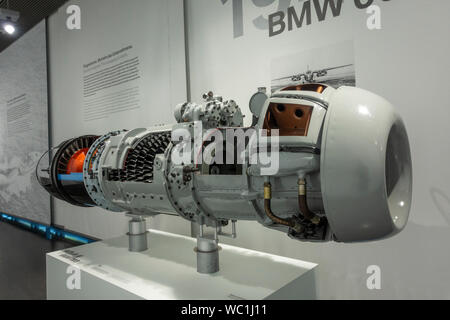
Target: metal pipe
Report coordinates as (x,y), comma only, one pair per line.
(303,204)
(267,207)
(200,230)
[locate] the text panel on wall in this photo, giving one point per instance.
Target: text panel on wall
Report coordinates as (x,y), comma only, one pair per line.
(24,125)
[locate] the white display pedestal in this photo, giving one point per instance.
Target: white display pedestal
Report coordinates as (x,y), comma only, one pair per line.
(107,270)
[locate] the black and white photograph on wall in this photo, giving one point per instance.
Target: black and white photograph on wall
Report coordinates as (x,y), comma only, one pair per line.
(332,65)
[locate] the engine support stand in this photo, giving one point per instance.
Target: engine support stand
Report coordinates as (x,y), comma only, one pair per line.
(207,253)
(137,234)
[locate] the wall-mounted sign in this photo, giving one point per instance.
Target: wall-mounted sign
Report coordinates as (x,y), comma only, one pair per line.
(289,15)
(24,126)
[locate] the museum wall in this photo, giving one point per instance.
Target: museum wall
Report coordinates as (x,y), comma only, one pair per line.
(407,63)
(144,40)
(24,126)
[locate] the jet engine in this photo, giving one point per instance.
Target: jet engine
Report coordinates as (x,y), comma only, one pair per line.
(318,164)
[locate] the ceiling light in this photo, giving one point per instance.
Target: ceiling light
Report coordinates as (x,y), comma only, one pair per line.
(9,28)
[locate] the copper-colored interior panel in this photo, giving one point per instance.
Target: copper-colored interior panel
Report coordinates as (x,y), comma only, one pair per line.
(314,87)
(290,119)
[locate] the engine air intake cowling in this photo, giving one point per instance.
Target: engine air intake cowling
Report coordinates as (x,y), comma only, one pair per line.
(366,169)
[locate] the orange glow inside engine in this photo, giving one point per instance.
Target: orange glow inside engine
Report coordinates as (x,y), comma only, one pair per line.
(76,162)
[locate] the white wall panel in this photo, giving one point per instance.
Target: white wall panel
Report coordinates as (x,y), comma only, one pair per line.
(155,31)
(24,126)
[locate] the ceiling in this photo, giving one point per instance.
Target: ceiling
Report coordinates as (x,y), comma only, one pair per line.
(31,13)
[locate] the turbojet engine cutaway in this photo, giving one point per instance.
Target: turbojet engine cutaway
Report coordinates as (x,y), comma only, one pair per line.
(343,166)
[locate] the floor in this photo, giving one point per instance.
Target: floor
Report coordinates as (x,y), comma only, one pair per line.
(22,263)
